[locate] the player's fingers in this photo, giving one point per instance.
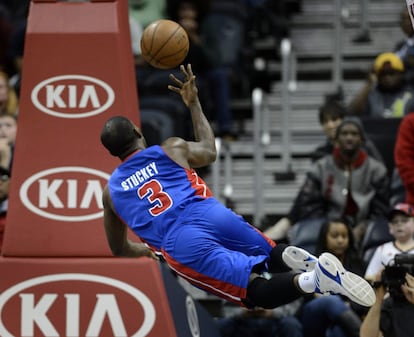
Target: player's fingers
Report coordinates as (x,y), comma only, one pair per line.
(192,80)
(176,80)
(184,71)
(190,70)
(175,89)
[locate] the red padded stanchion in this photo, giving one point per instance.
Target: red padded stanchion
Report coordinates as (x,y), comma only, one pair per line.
(83,297)
(78,71)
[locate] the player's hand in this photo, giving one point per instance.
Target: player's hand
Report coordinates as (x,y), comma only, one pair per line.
(153,256)
(187,89)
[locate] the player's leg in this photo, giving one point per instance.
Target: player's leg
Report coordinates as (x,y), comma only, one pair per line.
(235,233)
(197,256)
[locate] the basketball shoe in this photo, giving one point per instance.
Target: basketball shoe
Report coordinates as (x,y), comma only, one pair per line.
(332,278)
(299,259)
(330,275)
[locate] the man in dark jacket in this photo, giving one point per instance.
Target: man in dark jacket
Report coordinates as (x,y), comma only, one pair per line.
(347,183)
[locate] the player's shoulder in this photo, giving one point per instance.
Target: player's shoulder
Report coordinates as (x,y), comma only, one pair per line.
(173,142)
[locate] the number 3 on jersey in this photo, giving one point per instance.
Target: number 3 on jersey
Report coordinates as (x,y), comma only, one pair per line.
(152,190)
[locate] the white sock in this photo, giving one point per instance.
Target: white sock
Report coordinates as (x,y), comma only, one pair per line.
(306,281)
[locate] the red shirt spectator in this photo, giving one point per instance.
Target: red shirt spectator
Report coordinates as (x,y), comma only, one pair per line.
(404,155)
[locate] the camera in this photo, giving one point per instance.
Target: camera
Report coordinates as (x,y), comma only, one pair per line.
(393,275)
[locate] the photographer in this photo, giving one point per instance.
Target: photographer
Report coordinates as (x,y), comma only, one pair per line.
(401,227)
(390,317)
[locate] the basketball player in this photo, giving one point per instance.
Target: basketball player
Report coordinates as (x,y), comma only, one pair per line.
(157,193)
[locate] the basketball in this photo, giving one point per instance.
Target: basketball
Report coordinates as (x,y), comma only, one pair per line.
(164,44)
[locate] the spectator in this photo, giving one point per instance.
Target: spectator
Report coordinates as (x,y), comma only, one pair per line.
(141,14)
(8,98)
(331,115)
(404,156)
(17,39)
(8,129)
(209,57)
(401,227)
(260,322)
(147,11)
(345,184)
(405,48)
(386,93)
(389,317)
(334,316)
(4,194)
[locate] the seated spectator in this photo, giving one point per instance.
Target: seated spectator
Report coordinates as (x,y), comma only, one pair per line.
(8,129)
(345,184)
(8,98)
(4,194)
(404,156)
(386,93)
(405,48)
(390,316)
(334,315)
(401,227)
(259,322)
(331,115)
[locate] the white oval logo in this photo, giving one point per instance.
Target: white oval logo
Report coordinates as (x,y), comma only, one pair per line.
(192,317)
(72,96)
(139,296)
(72,200)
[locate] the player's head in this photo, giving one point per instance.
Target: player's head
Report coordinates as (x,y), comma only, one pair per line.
(121,137)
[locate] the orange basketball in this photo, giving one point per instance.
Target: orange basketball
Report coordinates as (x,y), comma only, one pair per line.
(164,44)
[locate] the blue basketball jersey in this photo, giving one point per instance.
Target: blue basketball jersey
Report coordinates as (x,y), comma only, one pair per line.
(150,192)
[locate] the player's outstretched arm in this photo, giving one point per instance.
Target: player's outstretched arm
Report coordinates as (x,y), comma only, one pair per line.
(203,151)
(116,234)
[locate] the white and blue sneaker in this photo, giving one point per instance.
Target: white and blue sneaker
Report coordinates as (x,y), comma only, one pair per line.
(332,278)
(299,259)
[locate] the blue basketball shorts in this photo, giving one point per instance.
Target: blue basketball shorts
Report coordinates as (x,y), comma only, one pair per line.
(215,249)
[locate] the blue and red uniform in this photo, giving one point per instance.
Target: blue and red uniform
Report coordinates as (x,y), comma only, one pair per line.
(171,209)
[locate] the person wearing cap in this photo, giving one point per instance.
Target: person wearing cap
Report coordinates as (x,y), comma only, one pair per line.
(401,227)
(390,317)
(386,94)
(348,183)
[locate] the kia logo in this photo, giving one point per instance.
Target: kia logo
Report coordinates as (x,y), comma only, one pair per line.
(37,310)
(72,96)
(68,193)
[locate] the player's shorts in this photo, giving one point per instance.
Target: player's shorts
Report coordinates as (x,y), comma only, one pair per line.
(215,249)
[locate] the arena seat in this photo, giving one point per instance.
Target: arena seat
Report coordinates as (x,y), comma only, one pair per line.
(305,233)
(377,233)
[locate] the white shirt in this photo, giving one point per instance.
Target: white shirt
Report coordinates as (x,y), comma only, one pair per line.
(384,255)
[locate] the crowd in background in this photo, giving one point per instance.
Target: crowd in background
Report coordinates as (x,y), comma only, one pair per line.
(349,190)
